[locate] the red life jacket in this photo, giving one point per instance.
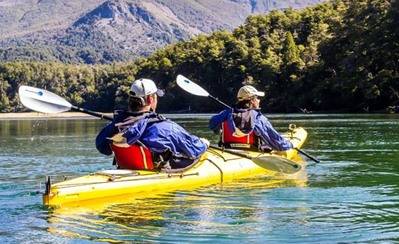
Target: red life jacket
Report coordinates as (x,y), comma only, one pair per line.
(230,139)
(135,156)
(132,157)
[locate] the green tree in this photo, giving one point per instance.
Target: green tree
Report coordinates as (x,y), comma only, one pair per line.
(291,53)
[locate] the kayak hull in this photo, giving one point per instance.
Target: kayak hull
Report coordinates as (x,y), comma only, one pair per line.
(215,166)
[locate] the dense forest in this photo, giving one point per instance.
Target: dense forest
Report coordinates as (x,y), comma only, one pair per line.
(341,56)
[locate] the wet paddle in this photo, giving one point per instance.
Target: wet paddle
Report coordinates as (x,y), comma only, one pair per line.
(193,88)
(47,102)
(269,162)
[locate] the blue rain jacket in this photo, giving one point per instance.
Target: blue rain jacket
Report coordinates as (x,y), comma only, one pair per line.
(260,125)
(158,136)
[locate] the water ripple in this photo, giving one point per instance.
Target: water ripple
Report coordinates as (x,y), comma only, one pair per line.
(351,196)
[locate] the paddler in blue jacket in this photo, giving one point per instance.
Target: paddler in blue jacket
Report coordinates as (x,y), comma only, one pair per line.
(166,140)
(245,127)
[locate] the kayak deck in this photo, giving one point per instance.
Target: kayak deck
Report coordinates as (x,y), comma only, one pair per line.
(215,166)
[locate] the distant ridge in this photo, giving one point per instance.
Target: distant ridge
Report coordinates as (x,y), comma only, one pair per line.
(99,31)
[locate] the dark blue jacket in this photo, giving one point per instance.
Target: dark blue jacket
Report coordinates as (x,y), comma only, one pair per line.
(159,137)
(260,125)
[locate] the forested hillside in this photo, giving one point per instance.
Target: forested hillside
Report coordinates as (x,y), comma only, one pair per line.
(338,56)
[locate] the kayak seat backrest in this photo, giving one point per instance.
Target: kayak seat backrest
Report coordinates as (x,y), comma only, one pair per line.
(135,157)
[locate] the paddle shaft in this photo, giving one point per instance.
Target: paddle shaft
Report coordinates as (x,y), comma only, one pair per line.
(217,100)
(287,162)
(307,155)
(99,115)
(249,157)
(231,152)
(96,114)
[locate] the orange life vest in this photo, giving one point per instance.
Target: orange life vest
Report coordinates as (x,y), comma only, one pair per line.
(132,156)
(232,140)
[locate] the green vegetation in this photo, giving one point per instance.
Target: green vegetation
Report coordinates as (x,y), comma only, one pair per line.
(337,56)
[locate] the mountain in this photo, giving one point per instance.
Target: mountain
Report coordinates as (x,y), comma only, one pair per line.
(99,31)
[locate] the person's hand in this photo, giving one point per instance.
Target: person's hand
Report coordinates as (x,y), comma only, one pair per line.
(205,141)
(118,138)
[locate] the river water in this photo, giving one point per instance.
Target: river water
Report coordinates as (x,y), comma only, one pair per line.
(351,196)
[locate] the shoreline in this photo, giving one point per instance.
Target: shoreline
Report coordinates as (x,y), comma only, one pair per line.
(73,115)
(79,115)
(37,115)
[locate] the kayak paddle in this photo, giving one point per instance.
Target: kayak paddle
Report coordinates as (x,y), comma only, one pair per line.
(193,88)
(270,162)
(47,102)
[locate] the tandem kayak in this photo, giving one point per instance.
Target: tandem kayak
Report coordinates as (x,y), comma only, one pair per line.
(215,166)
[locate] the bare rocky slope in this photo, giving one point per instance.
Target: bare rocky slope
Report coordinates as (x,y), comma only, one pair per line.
(100,31)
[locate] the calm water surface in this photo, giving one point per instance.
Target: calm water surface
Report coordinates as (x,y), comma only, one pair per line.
(352,196)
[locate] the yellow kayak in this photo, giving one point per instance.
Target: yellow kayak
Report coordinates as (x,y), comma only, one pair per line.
(215,166)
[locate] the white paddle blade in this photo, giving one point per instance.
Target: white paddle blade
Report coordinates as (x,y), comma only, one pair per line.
(42,101)
(190,86)
(278,164)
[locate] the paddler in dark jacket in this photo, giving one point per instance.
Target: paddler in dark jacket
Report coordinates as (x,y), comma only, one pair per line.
(245,127)
(141,125)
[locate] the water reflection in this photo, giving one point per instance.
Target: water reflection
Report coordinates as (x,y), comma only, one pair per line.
(177,216)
